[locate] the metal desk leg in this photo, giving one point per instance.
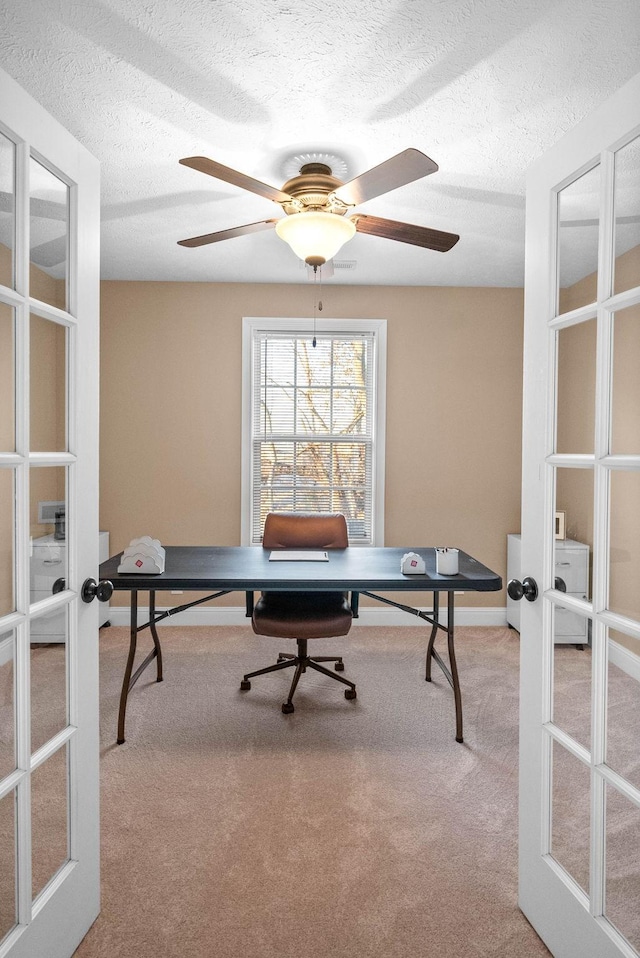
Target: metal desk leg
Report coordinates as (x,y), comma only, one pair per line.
(154,634)
(454,668)
(133,638)
(432,637)
(451,673)
(129,679)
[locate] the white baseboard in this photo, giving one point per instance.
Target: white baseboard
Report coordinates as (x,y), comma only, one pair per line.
(235,615)
(625,660)
(6,649)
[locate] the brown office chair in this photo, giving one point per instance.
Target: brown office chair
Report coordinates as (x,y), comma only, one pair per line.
(303,615)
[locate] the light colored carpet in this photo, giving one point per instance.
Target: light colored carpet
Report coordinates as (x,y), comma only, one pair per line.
(350,828)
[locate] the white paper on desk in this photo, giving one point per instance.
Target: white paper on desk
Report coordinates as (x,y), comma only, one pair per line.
(294,555)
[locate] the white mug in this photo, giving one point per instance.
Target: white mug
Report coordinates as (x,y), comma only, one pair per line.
(447,561)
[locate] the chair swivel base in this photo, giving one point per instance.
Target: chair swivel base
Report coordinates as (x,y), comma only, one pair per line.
(301,662)
(339,666)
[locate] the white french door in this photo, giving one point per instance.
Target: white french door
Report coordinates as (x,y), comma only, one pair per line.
(580,708)
(49,298)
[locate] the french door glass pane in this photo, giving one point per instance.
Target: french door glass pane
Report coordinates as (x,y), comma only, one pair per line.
(576,388)
(7,377)
(8,916)
(572,687)
(570,812)
(7,525)
(49,236)
(622,902)
(574,497)
(578,219)
(623,706)
(7,211)
(48,385)
(49,673)
(624,544)
(7,704)
(625,420)
(49,818)
(627,213)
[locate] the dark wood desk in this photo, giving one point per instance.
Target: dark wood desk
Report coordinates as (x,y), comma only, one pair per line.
(248,569)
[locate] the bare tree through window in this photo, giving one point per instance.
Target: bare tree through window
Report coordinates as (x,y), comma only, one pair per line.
(313,432)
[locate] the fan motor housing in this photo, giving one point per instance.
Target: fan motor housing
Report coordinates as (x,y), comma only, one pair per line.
(313,187)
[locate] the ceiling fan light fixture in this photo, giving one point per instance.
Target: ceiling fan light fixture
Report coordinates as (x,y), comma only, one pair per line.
(315,236)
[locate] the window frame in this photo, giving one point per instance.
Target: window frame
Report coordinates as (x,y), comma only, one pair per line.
(378,327)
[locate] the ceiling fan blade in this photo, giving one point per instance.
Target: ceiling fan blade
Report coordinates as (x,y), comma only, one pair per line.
(405,232)
(204,165)
(403,168)
(228,234)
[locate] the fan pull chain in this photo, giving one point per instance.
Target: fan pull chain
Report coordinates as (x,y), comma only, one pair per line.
(315,278)
(319,301)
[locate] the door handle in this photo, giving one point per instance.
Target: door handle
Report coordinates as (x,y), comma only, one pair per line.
(102,590)
(59,586)
(527,588)
(559,584)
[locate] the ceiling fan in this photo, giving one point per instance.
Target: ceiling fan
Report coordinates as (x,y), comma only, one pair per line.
(315,203)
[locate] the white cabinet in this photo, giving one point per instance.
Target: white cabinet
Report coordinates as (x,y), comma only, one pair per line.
(49,563)
(572,566)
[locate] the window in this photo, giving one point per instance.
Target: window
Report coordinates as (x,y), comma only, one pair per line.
(313,423)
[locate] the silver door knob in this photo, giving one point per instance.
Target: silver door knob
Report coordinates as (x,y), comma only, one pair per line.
(102,590)
(527,588)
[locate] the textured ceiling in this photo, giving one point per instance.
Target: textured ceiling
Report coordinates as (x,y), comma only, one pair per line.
(483,87)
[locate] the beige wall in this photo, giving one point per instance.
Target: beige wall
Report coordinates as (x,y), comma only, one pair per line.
(171,410)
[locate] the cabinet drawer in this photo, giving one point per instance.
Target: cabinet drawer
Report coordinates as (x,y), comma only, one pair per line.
(570,623)
(51,625)
(45,568)
(571,565)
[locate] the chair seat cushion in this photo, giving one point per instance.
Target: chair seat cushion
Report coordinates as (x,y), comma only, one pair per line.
(302,615)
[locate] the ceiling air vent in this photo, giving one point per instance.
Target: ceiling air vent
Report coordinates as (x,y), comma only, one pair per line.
(344,264)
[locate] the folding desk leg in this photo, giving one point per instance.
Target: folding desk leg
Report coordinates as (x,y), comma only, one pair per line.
(133,638)
(452,674)
(432,637)
(154,634)
(454,668)
(130,679)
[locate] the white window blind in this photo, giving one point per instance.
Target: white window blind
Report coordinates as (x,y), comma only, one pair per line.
(313,426)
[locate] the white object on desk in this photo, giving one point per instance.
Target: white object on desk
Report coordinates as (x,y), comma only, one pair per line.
(447,561)
(412,564)
(144,556)
(295,555)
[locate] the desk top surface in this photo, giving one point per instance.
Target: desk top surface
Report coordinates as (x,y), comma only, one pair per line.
(237,568)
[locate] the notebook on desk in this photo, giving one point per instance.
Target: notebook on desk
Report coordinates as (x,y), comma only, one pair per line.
(296,555)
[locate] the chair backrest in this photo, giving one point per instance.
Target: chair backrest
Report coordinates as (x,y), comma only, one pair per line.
(296,530)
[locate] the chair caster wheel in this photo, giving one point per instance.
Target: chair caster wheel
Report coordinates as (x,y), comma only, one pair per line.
(339,666)
(245,685)
(287,708)
(350,694)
